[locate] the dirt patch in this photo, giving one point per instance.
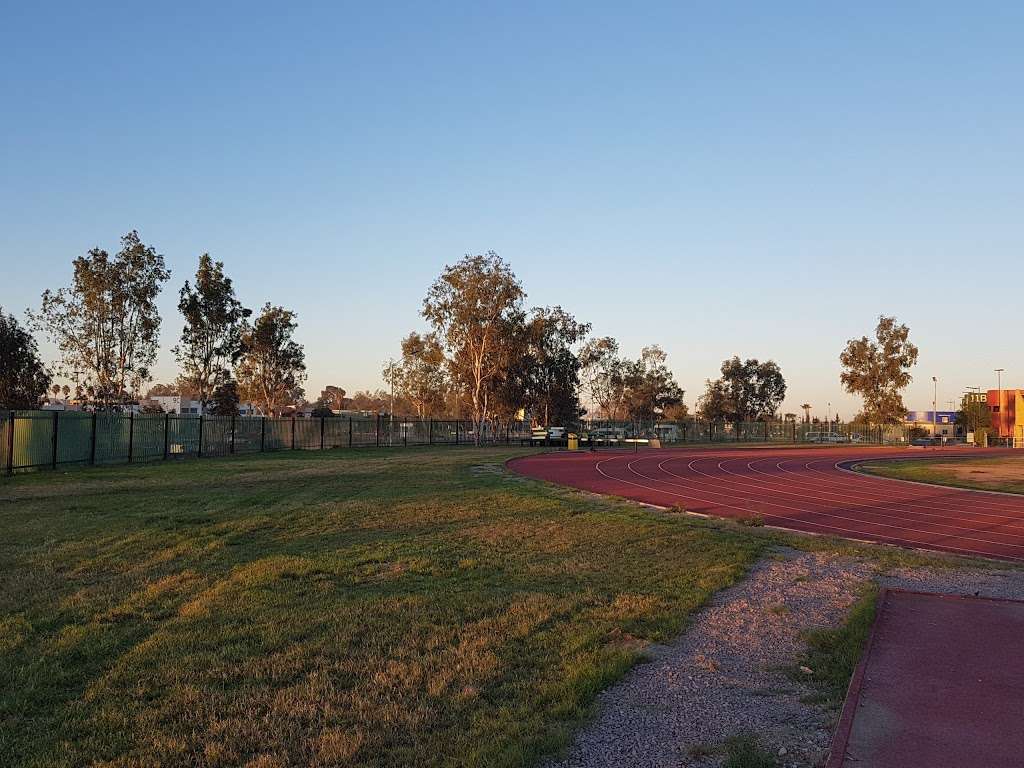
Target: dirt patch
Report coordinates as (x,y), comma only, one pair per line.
(996,473)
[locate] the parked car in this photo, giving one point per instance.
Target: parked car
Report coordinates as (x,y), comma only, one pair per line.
(826,437)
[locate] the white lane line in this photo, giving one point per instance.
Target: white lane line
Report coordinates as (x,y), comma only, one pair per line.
(890,503)
(858,533)
(907,496)
(904,528)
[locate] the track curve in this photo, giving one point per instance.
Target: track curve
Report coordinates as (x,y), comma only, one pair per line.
(812,491)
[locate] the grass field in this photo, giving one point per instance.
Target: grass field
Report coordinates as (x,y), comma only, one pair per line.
(1002,473)
(380,608)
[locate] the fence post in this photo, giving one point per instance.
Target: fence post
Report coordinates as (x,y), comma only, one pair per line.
(10,447)
(131,434)
(54,457)
(430,432)
(349,431)
(456,431)
(322,418)
(167,432)
(92,442)
(263,433)
(293,431)
(405,432)
(232,433)
(794,431)
(378,430)
(200,435)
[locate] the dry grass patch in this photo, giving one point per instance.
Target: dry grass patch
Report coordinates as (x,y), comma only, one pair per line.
(999,473)
(327,609)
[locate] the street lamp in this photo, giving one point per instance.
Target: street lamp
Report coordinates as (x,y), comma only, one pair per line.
(999,379)
(935,413)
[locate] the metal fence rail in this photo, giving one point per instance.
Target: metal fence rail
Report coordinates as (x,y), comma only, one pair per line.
(52,439)
(695,431)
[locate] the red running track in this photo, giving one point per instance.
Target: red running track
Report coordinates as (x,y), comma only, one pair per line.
(810,490)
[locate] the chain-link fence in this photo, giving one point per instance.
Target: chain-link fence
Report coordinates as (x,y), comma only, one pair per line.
(611,433)
(51,439)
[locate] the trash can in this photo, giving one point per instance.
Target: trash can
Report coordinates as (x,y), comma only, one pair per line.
(574,442)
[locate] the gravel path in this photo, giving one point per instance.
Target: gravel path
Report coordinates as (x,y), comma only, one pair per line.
(728,672)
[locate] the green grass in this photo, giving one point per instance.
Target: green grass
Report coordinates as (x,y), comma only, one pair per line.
(744,751)
(985,473)
(833,654)
(382,608)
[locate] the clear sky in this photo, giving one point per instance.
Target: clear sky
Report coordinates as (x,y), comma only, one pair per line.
(760,179)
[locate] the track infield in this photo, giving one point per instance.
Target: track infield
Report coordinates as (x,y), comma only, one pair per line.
(808,490)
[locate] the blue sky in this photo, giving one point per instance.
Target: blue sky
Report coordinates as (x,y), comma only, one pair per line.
(720,178)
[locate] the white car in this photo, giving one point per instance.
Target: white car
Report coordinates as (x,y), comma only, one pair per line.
(826,437)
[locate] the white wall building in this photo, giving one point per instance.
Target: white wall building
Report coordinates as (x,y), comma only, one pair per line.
(178,404)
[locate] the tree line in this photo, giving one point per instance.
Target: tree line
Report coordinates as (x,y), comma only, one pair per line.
(486,357)
(483,355)
(106,327)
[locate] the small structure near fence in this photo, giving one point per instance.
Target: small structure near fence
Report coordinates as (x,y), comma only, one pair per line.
(50,439)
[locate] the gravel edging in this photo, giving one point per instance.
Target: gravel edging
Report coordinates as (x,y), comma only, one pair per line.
(730,671)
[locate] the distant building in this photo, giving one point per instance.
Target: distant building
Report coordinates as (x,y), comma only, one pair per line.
(1007,408)
(249,409)
(184,406)
(935,423)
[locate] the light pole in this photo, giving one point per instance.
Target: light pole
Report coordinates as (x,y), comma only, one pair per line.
(999,385)
(935,413)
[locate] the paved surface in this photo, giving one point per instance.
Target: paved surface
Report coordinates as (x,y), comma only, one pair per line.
(941,685)
(804,490)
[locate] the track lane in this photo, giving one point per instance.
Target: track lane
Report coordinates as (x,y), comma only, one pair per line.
(803,490)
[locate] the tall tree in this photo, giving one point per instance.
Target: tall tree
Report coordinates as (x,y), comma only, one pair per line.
(473,306)
(271,366)
(650,385)
(879,370)
(973,415)
(333,398)
(421,378)
(23,377)
(225,399)
(211,339)
(106,325)
(162,390)
(551,368)
(377,401)
(807,412)
(715,404)
(747,390)
(603,376)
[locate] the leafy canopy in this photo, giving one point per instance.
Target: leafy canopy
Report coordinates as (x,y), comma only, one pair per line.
(106,325)
(747,390)
(878,370)
(211,339)
(271,366)
(474,307)
(23,377)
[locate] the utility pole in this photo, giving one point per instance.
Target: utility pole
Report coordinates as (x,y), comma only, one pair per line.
(935,413)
